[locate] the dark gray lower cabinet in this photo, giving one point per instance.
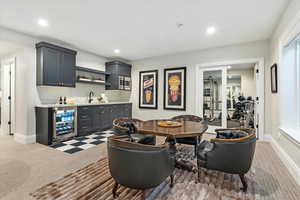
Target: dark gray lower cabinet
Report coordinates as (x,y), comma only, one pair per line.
(84,120)
(128,110)
(44,125)
(90,119)
(107,117)
(99,118)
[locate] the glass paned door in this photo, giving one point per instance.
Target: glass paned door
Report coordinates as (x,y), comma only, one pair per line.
(213,97)
(233,93)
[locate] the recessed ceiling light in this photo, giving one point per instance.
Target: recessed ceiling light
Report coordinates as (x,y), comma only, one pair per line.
(117,51)
(211,30)
(229,67)
(43,22)
(179,25)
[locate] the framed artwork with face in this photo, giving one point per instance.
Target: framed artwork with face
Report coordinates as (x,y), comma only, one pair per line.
(175,88)
(148,89)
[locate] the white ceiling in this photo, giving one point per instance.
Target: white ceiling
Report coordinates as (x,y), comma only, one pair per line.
(143,28)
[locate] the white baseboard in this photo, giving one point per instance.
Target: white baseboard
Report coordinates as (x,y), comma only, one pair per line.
(265,137)
(285,158)
(24,139)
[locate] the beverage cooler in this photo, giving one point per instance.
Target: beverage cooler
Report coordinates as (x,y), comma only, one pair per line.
(64,123)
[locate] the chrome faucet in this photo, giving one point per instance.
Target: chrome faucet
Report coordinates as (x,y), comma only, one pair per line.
(91,94)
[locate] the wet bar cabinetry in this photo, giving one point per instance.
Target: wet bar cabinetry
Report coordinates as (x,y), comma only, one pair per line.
(96,118)
(90,118)
(119,76)
(55,65)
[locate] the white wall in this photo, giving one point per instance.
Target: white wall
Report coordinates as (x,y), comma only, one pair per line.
(190,60)
(28,95)
(290,149)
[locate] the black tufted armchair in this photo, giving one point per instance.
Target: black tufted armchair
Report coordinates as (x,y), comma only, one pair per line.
(138,166)
(122,126)
(189,140)
(231,152)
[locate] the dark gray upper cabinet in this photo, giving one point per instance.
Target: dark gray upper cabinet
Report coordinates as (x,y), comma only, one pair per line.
(51,63)
(68,70)
(55,65)
(117,71)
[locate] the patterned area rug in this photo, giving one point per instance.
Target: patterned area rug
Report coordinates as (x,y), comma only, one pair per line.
(94,182)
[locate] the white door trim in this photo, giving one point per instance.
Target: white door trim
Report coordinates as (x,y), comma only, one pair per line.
(11,63)
(261,82)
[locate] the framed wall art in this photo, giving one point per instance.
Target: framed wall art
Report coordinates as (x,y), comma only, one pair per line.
(274,86)
(148,89)
(175,88)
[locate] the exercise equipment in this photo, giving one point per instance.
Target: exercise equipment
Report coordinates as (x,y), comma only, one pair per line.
(244,111)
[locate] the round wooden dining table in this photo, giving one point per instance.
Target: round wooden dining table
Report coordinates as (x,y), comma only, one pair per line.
(187,129)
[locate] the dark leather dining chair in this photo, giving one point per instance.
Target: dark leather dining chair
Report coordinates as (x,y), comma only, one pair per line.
(231,152)
(138,166)
(121,126)
(189,140)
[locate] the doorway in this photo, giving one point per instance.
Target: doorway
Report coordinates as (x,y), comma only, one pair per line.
(241,96)
(231,94)
(7,108)
(212,97)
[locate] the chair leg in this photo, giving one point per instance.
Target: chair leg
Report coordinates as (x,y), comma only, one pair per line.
(244,182)
(144,194)
(198,166)
(114,191)
(198,141)
(172,180)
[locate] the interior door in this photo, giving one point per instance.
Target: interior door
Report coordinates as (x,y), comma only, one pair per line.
(213,106)
(256,100)
(8,97)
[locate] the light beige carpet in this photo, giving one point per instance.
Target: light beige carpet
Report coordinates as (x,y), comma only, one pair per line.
(25,168)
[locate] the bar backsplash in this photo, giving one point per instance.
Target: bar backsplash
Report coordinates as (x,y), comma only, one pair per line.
(50,95)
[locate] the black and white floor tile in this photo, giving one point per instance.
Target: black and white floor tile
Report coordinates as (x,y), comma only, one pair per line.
(78,144)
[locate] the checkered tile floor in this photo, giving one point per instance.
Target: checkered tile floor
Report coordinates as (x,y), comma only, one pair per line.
(81,143)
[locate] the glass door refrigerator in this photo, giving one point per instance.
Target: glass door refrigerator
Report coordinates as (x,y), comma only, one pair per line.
(64,123)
